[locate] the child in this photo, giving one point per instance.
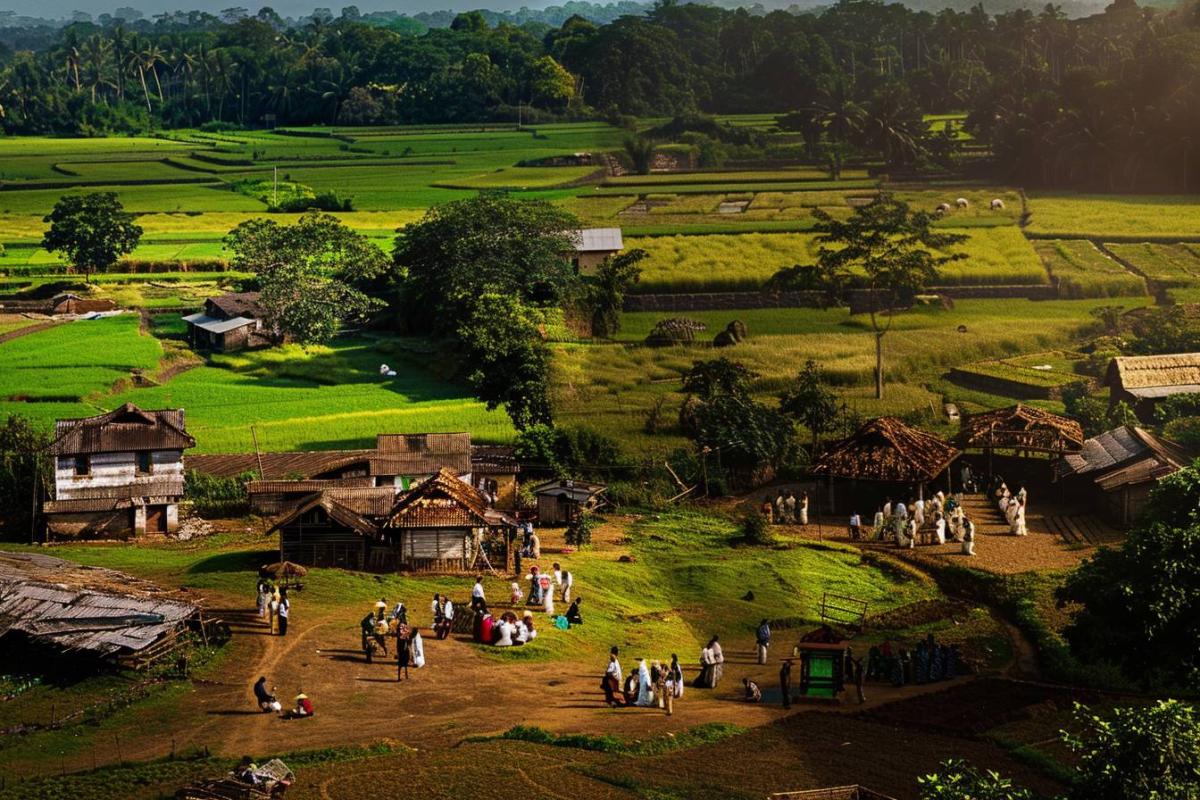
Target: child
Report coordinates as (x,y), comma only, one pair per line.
(517,594)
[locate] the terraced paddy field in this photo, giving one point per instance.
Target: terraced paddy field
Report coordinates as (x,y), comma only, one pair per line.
(1114,217)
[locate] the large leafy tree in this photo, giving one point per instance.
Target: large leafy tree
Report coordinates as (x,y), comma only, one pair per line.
(491,243)
(1140,601)
(307,273)
(885,248)
(91,230)
(508,362)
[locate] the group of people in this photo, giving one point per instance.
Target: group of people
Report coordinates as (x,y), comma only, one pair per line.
(928,662)
(268,703)
(786,509)
(1012,506)
(651,685)
(927,522)
(508,630)
(379,625)
(274,607)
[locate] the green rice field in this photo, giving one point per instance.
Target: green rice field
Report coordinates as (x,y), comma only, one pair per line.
(1082,270)
(1114,217)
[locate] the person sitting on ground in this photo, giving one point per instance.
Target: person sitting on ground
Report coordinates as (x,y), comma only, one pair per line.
(304,708)
(525,630)
(504,633)
(573,616)
(753,693)
(266,700)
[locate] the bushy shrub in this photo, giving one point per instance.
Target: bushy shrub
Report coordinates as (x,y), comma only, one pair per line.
(755,528)
(217,496)
(579,532)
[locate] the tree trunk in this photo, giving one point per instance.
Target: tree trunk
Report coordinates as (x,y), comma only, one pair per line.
(878,366)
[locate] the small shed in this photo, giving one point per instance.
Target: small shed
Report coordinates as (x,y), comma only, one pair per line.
(560,502)
(1115,471)
(1144,381)
(325,531)
(888,456)
(230,321)
(98,613)
(593,245)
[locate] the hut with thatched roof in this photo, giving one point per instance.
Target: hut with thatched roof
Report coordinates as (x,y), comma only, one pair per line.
(1017,433)
(884,457)
(1144,381)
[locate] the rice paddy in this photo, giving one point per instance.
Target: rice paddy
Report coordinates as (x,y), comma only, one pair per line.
(1082,270)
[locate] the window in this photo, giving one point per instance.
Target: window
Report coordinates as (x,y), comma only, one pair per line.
(145,464)
(83,465)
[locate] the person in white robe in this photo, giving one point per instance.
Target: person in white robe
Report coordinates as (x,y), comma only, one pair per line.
(939,530)
(919,512)
(877,525)
(645,695)
(505,631)
(968,541)
(1019,522)
(417,647)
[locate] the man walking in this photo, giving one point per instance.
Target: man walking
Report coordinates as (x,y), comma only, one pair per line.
(763,640)
(478,601)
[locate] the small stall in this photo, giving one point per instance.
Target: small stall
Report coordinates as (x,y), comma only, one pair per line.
(561,502)
(822,655)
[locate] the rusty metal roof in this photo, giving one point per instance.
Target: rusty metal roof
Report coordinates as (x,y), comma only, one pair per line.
(77,608)
(237,304)
(123,429)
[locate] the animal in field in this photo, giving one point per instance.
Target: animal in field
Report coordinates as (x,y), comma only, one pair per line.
(962,202)
(943,208)
(997,204)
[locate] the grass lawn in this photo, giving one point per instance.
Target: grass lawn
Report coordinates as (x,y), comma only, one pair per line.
(325,397)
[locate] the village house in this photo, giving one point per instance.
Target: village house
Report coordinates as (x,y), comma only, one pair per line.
(117,474)
(440,524)
(1115,472)
(593,245)
(560,502)
(228,322)
(1145,381)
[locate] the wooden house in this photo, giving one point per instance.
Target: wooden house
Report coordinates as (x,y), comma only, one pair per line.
(1145,381)
(593,245)
(560,502)
(494,470)
(230,321)
(884,457)
(118,474)
(438,525)
(1115,471)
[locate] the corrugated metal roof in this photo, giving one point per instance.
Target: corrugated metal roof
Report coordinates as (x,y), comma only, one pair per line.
(420,464)
(123,429)
(1106,450)
(597,240)
(399,443)
(576,490)
(276,465)
(217,325)
(305,486)
(72,607)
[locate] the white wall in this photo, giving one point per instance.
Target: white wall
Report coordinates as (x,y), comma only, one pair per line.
(115,469)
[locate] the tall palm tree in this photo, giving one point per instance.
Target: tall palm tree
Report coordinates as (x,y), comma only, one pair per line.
(98,57)
(150,58)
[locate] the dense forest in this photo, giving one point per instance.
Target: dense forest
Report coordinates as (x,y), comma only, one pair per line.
(1110,101)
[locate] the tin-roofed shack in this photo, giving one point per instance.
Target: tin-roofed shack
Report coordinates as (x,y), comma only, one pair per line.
(49,604)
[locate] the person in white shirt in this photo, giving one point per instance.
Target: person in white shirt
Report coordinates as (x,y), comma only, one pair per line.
(565,581)
(478,601)
(855,526)
(940,530)
(611,682)
(504,635)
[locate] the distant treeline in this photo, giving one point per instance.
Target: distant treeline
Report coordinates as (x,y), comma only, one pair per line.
(1107,102)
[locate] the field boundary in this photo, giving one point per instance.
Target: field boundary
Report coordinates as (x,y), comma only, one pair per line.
(731,301)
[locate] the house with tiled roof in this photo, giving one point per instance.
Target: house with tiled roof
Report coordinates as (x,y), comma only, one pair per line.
(440,524)
(118,474)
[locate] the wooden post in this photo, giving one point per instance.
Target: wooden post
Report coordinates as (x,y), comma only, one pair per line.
(257,454)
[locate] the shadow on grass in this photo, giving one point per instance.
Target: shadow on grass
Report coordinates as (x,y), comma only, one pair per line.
(240,561)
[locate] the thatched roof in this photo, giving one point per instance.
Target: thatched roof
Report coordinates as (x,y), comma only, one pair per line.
(1156,376)
(886,449)
(1020,427)
(73,607)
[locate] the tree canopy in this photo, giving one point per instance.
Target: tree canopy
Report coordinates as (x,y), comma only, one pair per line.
(1140,600)
(91,230)
(307,273)
(491,243)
